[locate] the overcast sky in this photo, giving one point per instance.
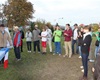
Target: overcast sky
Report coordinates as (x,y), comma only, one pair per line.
(67,11)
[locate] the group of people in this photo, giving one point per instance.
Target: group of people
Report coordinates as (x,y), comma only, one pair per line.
(81,36)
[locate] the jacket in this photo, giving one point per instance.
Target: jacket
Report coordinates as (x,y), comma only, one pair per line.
(28,36)
(4,37)
(69,35)
(86,42)
(17,39)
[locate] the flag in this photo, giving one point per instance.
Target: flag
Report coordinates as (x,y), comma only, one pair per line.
(6,61)
(4,54)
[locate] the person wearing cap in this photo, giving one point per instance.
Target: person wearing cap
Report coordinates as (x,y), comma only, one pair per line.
(85,46)
(17,43)
(36,38)
(4,39)
(74,38)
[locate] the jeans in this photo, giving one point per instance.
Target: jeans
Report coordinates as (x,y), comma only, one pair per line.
(50,44)
(29,45)
(58,47)
(80,52)
(85,63)
(17,52)
(2,61)
(37,44)
(73,43)
(96,50)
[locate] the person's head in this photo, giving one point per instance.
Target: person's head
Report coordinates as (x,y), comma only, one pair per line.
(67,26)
(16,28)
(28,30)
(36,26)
(81,29)
(75,26)
(57,27)
(46,27)
(2,27)
(86,29)
(43,29)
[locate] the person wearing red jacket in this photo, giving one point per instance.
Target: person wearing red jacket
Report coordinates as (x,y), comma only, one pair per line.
(67,35)
(17,43)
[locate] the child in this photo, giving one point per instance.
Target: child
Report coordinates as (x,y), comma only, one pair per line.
(44,40)
(86,42)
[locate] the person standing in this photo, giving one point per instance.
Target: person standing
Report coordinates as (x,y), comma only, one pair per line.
(36,38)
(57,39)
(74,38)
(86,42)
(22,37)
(4,39)
(44,40)
(67,42)
(80,38)
(28,37)
(49,38)
(17,43)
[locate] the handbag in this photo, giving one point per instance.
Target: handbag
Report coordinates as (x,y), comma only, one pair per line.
(97,43)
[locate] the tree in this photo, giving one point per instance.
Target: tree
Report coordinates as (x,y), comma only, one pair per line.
(18,12)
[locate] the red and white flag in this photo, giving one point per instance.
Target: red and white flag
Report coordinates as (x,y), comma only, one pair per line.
(6,61)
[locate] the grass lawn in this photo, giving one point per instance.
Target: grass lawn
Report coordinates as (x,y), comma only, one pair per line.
(43,67)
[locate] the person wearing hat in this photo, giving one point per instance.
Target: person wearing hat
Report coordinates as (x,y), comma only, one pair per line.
(36,38)
(85,46)
(4,39)
(17,42)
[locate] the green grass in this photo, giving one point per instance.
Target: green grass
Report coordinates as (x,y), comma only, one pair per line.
(42,67)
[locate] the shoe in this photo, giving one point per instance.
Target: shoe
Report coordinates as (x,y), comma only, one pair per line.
(83,78)
(69,56)
(18,59)
(64,55)
(80,57)
(54,54)
(91,60)
(81,67)
(59,54)
(34,52)
(30,51)
(82,70)
(39,52)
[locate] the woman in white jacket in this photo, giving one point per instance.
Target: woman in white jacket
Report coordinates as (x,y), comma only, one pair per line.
(28,37)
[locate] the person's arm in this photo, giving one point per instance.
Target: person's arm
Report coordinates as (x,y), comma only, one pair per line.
(10,40)
(19,40)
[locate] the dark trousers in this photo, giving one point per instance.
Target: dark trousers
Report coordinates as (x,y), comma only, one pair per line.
(29,45)
(21,47)
(37,44)
(73,44)
(85,63)
(2,61)
(17,52)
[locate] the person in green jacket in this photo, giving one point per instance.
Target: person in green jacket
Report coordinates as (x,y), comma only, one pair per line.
(98,39)
(57,39)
